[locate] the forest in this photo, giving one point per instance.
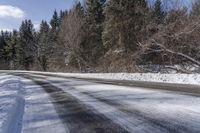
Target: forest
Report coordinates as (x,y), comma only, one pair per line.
(109,36)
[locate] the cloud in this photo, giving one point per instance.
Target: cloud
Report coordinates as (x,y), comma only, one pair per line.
(11,11)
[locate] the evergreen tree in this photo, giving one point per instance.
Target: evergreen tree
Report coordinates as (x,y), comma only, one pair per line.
(124,21)
(26,46)
(159,13)
(44,48)
(95,11)
(94,22)
(195,12)
(61,16)
(5,36)
(2,44)
(55,21)
(57,51)
(10,49)
(53,36)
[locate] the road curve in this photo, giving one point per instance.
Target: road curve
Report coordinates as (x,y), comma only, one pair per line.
(91,107)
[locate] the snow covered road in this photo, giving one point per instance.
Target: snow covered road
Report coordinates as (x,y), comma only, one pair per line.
(26,108)
(55,104)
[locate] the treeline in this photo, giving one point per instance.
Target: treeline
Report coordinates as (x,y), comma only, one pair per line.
(109,36)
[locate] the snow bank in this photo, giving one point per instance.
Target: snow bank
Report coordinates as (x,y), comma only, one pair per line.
(193,79)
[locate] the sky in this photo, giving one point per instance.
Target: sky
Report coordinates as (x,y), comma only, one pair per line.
(12,12)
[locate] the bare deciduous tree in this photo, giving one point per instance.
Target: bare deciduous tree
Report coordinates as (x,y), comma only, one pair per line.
(72,32)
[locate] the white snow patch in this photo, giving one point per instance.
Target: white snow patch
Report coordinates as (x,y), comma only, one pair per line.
(192,79)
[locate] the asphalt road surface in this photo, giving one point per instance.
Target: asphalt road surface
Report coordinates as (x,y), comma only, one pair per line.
(92,106)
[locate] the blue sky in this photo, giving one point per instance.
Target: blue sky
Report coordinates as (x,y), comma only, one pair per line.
(12,12)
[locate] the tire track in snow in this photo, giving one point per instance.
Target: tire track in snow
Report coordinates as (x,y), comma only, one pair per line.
(76,116)
(169,127)
(14,122)
(156,123)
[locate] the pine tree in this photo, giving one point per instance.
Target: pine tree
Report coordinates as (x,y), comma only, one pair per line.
(159,11)
(5,36)
(124,21)
(43,47)
(26,45)
(195,12)
(61,16)
(10,49)
(57,52)
(55,21)
(78,10)
(2,44)
(94,23)
(95,11)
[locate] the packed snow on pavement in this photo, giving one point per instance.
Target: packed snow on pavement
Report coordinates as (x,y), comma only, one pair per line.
(137,109)
(25,107)
(11,105)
